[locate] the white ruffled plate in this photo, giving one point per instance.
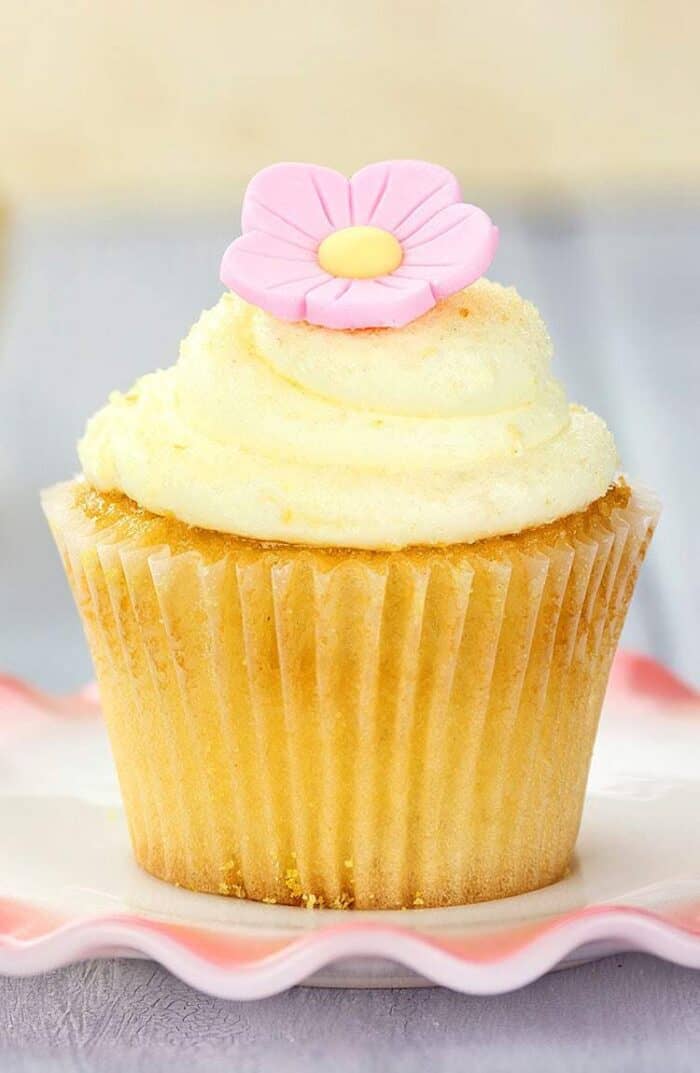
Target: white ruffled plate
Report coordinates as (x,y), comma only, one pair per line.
(69,888)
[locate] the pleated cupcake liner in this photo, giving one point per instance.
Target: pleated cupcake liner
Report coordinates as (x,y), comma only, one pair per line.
(391,731)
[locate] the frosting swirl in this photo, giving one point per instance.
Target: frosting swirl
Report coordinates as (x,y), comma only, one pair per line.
(447,430)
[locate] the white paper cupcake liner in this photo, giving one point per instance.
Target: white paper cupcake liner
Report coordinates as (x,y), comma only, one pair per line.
(353,729)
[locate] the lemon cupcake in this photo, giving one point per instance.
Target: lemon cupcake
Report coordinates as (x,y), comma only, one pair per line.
(353,570)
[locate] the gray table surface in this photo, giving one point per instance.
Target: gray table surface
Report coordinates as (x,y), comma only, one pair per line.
(620,1015)
(90,300)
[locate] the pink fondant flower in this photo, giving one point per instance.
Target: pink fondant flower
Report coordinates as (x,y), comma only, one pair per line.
(377,250)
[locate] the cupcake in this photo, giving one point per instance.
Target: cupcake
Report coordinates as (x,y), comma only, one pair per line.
(353,570)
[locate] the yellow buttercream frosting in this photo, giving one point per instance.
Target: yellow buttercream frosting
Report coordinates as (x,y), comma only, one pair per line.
(448,430)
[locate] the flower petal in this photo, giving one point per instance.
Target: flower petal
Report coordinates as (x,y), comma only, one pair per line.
(401,195)
(321,298)
(274,283)
(262,244)
(451,250)
(369,303)
(298,202)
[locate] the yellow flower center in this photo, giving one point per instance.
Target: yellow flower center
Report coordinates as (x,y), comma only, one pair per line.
(360,253)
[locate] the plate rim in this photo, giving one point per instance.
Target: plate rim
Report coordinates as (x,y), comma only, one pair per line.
(187,952)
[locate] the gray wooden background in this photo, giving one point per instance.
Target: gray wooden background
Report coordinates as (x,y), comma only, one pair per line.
(621,1015)
(89,301)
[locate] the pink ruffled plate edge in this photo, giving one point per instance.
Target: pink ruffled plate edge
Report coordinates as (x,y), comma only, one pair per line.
(34,941)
